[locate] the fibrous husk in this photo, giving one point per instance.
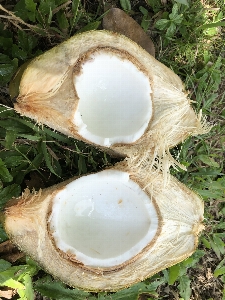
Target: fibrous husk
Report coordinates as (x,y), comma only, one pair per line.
(47,95)
(180,214)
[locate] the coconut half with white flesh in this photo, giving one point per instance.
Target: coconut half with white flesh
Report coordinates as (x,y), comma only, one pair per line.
(104,89)
(105,231)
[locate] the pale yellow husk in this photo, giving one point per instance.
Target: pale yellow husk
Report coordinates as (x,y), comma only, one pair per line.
(47,95)
(180,213)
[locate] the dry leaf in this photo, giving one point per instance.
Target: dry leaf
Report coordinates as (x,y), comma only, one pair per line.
(9,252)
(7,294)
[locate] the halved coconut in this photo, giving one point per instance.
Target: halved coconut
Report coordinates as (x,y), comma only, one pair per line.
(102,88)
(105,231)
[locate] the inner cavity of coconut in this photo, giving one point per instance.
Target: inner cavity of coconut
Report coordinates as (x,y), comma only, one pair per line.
(103,219)
(115,104)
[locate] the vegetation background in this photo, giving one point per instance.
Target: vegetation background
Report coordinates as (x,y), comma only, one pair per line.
(189,38)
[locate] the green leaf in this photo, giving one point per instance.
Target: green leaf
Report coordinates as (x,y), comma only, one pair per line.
(76,15)
(162,24)
(156,5)
(220,225)
(4,265)
(4,58)
(58,136)
(13,161)
(4,32)
(208,194)
(46,6)
(6,43)
(194,259)
(143,10)
(173,273)
(36,162)
(208,160)
(206,243)
(4,173)
(145,22)
(178,20)
(15,276)
(15,124)
(57,290)
(29,292)
(184,287)
(171,30)
(19,53)
(33,138)
(125,4)
(14,284)
(7,70)
(50,16)
(32,264)
(185,2)
(12,273)
(10,138)
(219,272)
(47,158)
(211,25)
(207,172)
(82,165)
(3,235)
(146,18)
(215,248)
(174,13)
(26,42)
(219,243)
(20,10)
(8,192)
(90,26)
(62,20)
(134,291)
(30,5)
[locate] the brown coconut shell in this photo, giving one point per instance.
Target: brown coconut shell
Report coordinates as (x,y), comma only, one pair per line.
(180,213)
(47,93)
(118,21)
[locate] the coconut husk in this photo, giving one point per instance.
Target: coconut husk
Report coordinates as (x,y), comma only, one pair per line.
(47,95)
(180,213)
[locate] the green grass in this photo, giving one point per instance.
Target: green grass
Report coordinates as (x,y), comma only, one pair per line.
(189,38)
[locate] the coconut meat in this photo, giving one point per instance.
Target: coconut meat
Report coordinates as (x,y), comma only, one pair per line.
(103,219)
(115,104)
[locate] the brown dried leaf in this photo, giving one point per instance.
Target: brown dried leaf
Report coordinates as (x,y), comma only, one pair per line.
(10,252)
(7,294)
(118,21)
(6,247)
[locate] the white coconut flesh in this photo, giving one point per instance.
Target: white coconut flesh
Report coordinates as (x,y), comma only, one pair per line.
(103,219)
(115,104)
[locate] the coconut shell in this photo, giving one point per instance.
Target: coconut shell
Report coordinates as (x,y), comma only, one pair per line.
(180,213)
(118,21)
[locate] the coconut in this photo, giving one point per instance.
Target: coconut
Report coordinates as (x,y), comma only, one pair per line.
(108,230)
(104,89)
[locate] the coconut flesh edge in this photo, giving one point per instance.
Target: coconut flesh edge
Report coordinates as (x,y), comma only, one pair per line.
(115,104)
(103,219)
